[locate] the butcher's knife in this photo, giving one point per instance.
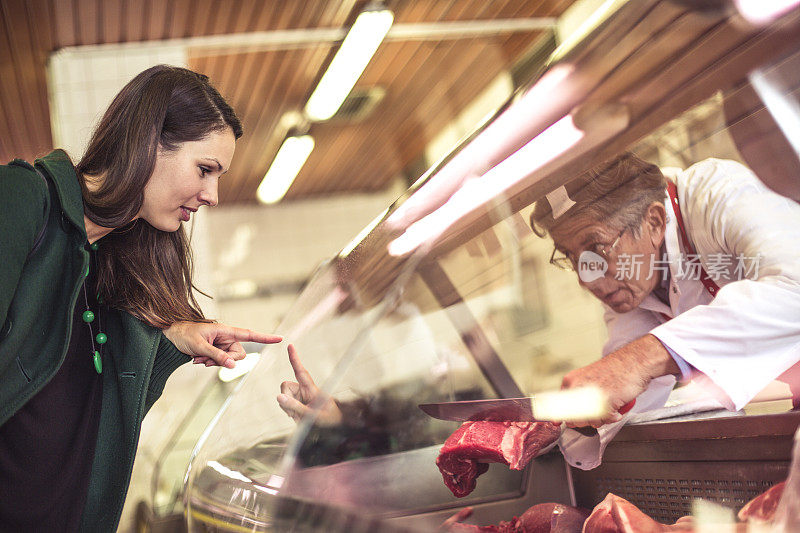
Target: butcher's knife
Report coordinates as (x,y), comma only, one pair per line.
(543,407)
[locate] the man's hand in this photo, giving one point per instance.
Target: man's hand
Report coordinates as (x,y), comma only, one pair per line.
(214,344)
(622,375)
(296,398)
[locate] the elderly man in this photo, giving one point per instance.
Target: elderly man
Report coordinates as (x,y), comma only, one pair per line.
(699,272)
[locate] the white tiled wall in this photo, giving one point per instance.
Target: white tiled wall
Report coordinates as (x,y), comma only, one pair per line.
(285,243)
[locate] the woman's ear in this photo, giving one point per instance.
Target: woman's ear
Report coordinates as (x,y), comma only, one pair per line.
(656,221)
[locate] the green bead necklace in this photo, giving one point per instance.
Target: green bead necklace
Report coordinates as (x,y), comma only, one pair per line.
(88,317)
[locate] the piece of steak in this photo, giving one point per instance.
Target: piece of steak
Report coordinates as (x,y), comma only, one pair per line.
(565,518)
(540,518)
(467,452)
(551,518)
(504,527)
(617,515)
(454,525)
(763,506)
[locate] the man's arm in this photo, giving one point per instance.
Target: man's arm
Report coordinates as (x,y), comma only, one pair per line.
(748,335)
(623,374)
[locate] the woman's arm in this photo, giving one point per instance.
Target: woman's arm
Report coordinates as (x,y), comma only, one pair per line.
(217,343)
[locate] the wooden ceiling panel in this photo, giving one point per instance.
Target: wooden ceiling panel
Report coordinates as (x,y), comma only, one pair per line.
(157,11)
(400,129)
(428,108)
(427,82)
(336,153)
(66,32)
(87,17)
(205,17)
(111,22)
(393,58)
(282,87)
(176,24)
(21,96)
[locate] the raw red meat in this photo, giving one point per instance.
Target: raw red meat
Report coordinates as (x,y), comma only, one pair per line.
(763,506)
(453,524)
(566,519)
(551,518)
(467,452)
(617,515)
(469,528)
(541,518)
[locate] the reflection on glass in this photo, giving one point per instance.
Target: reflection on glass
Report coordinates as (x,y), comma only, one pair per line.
(485,315)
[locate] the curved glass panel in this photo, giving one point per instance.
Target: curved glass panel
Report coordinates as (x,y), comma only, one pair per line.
(451,296)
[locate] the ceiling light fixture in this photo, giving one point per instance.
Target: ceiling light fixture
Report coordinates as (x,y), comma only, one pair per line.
(573,135)
(349,63)
(290,158)
(523,119)
(476,191)
(763,11)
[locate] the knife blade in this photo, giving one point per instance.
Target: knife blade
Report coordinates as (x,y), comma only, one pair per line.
(526,409)
(516,409)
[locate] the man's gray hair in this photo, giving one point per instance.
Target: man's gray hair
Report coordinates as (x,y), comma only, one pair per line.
(617,193)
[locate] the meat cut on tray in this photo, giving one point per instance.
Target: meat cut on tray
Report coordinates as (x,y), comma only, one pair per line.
(466,454)
(763,506)
(612,515)
(541,518)
(617,515)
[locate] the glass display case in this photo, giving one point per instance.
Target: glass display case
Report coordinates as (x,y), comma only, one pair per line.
(449,295)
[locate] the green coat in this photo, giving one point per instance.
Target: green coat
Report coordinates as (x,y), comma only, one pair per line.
(37,299)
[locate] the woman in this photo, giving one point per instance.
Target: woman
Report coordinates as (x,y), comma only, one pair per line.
(96,297)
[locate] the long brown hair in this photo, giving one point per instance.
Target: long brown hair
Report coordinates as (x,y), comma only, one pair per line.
(142,270)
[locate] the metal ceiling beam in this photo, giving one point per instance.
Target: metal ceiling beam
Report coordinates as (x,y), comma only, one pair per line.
(211,45)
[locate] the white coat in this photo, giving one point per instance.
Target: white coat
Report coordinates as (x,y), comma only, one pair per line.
(748,334)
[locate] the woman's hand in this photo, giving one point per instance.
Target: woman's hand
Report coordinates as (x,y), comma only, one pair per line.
(214,344)
(295,397)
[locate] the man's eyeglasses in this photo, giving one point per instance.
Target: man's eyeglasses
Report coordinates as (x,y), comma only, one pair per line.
(567,262)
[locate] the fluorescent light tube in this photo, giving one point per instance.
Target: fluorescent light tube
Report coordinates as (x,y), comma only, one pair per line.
(288,161)
(780,103)
(349,63)
(542,149)
(489,147)
(764,11)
